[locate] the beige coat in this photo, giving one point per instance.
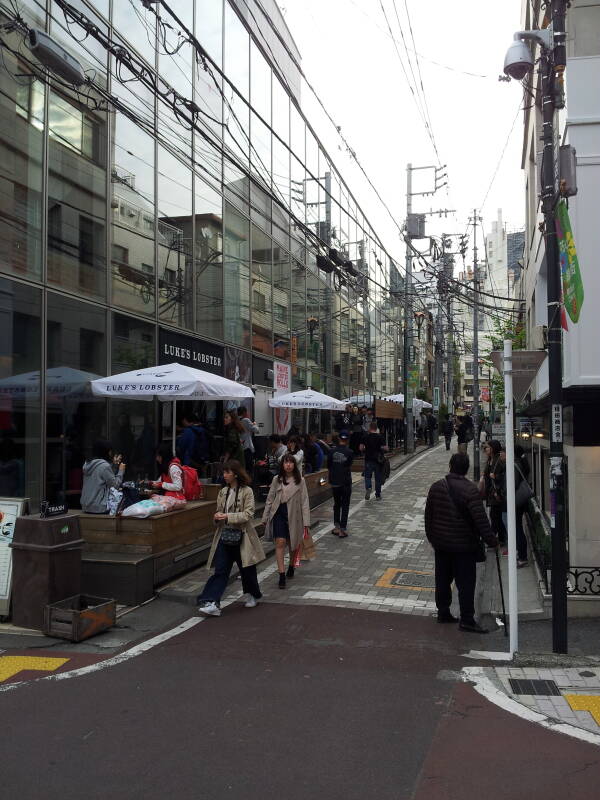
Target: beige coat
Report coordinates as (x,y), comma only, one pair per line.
(298,511)
(251,549)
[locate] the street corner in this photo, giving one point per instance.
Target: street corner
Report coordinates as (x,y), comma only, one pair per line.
(565,700)
(23,666)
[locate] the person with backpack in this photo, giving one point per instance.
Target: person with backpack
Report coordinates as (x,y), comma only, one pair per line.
(339,462)
(177,479)
(455,525)
(235,542)
(193,444)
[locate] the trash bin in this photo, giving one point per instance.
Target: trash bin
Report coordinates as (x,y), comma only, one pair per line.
(46,566)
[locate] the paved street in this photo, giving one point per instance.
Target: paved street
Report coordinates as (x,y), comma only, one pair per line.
(316,693)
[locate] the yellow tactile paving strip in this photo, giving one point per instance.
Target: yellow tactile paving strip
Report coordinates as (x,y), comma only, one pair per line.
(12,665)
(585,702)
(386,580)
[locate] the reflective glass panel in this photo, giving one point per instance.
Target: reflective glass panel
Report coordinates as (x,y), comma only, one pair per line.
(236,278)
(262,317)
(137,26)
(20,402)
(75,419)
(133,218)
(76,196)
(281,303)
(208,263)
(21,147)
(133,423)
(209,27)
(175,260)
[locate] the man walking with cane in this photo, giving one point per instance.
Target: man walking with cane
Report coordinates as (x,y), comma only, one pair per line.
(455,525)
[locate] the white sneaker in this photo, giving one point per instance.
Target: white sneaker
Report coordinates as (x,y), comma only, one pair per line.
(251,602)
(210,609)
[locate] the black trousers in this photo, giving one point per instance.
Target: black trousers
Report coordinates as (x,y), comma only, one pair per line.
(497,523)
(461,568)
(225,557)
(341,505)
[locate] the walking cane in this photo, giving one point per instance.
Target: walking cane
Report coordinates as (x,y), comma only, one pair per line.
(501,592)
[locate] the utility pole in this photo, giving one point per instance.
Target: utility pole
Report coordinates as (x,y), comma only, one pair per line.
(553,62)
(409,439)
(475,351)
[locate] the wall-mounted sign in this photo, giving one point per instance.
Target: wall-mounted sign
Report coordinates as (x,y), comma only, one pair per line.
(188,350)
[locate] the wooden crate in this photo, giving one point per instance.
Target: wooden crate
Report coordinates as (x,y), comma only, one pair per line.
(79,617)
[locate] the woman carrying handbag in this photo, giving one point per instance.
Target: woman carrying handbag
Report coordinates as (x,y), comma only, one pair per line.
(235,542)
(287,514)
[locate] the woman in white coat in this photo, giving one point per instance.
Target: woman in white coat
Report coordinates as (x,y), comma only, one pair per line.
(287,514)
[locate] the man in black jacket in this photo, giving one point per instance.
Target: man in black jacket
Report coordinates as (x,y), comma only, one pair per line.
(339,461)
(455,523)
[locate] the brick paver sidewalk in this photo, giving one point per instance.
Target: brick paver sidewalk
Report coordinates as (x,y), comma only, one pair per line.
(386,563)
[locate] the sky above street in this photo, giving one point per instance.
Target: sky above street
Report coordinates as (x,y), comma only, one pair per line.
(350,59)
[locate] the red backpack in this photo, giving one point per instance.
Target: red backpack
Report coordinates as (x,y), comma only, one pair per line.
(192,488)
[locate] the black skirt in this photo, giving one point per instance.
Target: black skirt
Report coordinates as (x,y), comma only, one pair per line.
(281,527)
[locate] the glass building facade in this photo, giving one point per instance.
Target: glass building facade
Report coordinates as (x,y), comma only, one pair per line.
(129,237)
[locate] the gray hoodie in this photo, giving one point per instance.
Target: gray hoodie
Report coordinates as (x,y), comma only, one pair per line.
(98,478)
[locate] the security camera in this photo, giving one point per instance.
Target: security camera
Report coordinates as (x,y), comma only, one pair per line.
(518,60)
(55,58)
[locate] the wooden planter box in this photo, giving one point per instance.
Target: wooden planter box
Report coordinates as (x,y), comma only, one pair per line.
(152,535)
(79,617)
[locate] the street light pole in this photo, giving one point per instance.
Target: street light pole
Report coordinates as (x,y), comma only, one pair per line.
(408,323)
(475,351)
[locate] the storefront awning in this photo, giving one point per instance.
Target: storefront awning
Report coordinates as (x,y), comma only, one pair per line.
(525,366)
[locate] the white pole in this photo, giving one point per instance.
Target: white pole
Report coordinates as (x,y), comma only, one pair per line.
(174,424)
(513,611)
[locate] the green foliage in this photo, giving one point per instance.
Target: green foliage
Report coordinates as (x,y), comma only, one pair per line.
(421,394)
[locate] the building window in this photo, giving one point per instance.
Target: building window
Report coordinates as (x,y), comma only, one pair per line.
(469,368)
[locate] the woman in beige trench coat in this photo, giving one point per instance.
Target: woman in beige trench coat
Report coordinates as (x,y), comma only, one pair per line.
(287,514)
(235,510)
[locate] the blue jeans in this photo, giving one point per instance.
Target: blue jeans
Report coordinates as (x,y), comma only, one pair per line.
(225,557)
(372,467)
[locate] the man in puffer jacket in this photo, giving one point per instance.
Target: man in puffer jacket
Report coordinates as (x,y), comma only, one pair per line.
(455,523)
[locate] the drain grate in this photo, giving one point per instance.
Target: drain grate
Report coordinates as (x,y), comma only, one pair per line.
(419,579)
(540,687)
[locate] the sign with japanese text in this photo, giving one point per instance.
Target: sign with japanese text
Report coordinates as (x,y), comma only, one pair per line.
(557,434)
(282,384)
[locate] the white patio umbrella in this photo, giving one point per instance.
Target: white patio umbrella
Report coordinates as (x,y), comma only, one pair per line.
(170,383)
(307,398)
(395,398)
(61,382)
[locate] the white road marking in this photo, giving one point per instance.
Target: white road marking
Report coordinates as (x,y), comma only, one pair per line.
(491,655)
(377,600)
(482,684)
(134,651)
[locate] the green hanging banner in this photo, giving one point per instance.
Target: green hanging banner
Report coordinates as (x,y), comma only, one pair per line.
(569,263)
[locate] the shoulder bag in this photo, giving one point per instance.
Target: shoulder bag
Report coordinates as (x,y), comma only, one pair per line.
(480,556)
(524,492)
(231,537)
